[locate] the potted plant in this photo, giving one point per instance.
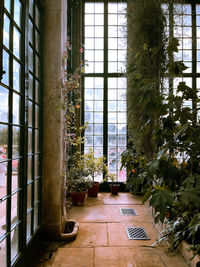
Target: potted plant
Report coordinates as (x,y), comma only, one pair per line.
(95,167)
(78,179)
(114,187)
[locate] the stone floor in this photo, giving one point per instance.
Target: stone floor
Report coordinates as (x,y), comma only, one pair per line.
(102,240)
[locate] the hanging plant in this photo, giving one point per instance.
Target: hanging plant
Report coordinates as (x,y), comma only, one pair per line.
(146,64)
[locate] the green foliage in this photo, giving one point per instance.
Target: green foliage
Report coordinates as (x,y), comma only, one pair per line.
(146,62)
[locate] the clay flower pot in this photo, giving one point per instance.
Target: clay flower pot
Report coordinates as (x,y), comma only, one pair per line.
(114,188)
(70,231)
(93,191)
(78,198)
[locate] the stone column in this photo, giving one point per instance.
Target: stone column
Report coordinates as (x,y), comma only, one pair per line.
(55,30)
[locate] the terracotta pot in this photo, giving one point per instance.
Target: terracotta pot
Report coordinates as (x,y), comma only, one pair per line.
(70,231)
(93,191)
(78,198)
(114,188)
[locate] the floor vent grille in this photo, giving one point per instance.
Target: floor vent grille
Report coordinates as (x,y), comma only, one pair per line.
(129,212)
(137,233)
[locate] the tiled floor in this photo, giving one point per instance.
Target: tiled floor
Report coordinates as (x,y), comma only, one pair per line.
(102,240)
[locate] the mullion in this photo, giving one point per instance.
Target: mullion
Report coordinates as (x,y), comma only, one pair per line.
(1,37)
(10,140)
(105,99)
(194,51)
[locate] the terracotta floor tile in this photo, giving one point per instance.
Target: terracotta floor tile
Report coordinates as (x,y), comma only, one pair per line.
(74,257)
(102,240)
(95,213)
(90,235)
(121,199)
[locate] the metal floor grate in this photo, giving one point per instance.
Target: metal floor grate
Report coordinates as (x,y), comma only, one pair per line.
(137,233)
(130,212)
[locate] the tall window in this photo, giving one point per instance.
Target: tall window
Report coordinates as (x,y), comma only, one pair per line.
(20,127)
(105,81)
(183,22)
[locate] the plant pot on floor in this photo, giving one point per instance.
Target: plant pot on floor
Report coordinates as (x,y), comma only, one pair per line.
(93,191)
(70,230)
(114,188)
(78,198)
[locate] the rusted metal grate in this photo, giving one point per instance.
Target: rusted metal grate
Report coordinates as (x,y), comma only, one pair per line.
(137,233)
(129,212)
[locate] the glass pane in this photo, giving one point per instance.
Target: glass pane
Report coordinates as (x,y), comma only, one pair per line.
(16,76)
(99,8)
(112,19)
(3,141)
(89,31)
(3,104)
(31,8)
(2,219)
(98,94)
(30,140)
(6,57)
(89,19)
(37,92)
(36,191)
(28,229)
(37,17)
(112,8)
(36,166)
(37,41)
(88,141)
(16,42)
(3,177)
(36,210)
(37,66)
(99,19)
(99,43)
(89,129)
(17,12)
(6,30)
(30,86)
(99,56)
(29,193)
(30,31)
(3,253)
(16,109)
(14,209)
(98,128)
(99,31)
(15,174)
(14,242)
(88,105)
(88,94)
(112,117)
(29,168)
(30,59)
(98,105)
(36,141)
(30,113)
(112,129)
(36,116)
(7,4)
(98,117)
(98,140)
(16,141)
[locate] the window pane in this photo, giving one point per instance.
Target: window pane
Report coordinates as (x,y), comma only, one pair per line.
(16,108)
(3,104)
(14,209)
(14,242)
(6,30)
(3,253)
(16,76)
(16,141)
(16,42)
(15,174)
(17,12)
(3,177)
(6,57)
(28,226)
